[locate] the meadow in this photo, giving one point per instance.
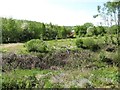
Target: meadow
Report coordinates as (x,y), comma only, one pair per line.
(62,65)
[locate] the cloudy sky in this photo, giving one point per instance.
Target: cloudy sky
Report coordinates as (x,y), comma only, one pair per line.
(60,12)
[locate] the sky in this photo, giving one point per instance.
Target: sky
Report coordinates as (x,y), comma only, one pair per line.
(59,12)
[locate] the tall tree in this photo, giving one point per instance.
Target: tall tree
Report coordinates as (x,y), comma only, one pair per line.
(109,12)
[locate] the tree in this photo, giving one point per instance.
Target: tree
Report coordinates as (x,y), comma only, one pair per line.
(87,25)
(113,29)
(82,30)
(43,31)
(63,32)
(108,12)
(91,31)
(100,30)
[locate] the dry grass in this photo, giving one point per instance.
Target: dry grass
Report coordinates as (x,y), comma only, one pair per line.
(12,47)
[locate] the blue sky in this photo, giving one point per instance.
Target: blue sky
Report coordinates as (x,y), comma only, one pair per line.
(60,12)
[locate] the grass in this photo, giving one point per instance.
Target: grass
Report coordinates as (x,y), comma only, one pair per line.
(13,47)
(21,72)
(105,76)
(53,44)
(61,44)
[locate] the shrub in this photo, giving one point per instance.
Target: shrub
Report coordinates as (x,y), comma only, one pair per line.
(79,43)
(89,43)
(36,45)
(95,47)
(90,31)
(115,58)
(104,57)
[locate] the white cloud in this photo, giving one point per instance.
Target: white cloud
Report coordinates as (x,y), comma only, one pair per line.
(43,11)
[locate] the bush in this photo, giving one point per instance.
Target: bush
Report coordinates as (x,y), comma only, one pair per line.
(79,43)
(36,45)
(91,31)
(95,47)
(89,43)
(115,58)
(109,58)
(102,56)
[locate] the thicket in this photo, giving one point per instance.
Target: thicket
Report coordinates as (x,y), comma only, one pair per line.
(36,45)
(23,30)
(87,43)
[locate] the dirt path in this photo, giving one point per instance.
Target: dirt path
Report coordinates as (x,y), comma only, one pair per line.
(10,45)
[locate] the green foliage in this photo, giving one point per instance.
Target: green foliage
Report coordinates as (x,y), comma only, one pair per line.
(90,43)
(87,43)
(19,82)
(23,30)
(87,25)
(109,12)
(80,30)
(111,58)
(106,77)
(91,31)
(63,32)
(100,30)
(113,29)
(36,45)
(102,56)
(79,43)
(115,58)
(23,79)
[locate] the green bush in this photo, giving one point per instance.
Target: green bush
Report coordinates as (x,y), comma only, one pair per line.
(91,31)
(109,58)
(115,58)
(89,43)
(79,43)
(36,45)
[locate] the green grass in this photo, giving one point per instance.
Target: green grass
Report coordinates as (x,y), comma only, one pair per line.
(21,72)
(61,44)
(13,47)
(34,78)
(53,44)
(105,76)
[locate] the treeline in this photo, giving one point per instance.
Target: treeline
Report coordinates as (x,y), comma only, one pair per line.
(23,30)
(89,30)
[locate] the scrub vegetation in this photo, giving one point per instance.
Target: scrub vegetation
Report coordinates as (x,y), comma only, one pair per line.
(40,55)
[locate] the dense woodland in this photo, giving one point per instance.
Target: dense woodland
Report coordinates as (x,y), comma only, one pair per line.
(22,30)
